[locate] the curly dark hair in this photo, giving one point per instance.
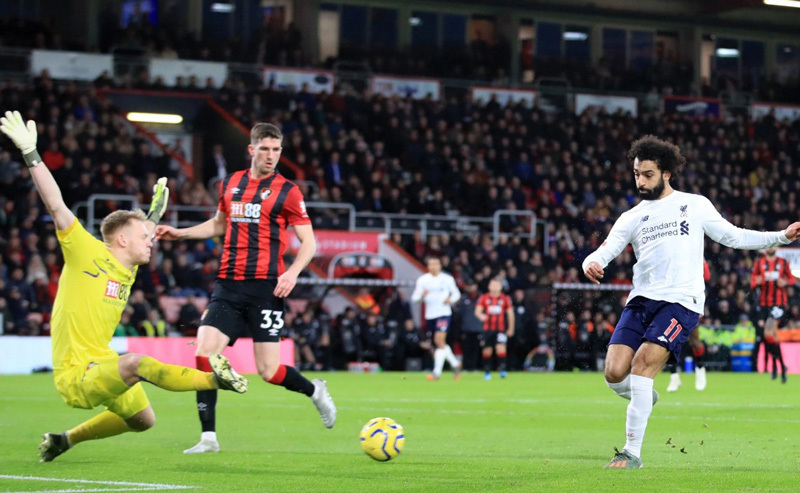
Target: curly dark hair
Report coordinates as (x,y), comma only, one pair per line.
(666,155)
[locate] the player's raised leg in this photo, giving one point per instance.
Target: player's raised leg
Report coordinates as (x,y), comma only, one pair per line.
(268,354)
(455,364)
(138,367)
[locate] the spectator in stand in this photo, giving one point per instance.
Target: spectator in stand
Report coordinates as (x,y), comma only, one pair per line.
(469,326)
(125,328)
(414,348)
(154,325)
(188,317)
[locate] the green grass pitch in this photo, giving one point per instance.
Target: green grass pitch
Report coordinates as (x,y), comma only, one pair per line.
(530,432)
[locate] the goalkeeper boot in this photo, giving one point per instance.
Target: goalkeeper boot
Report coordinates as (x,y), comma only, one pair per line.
(53,445)
(225,376)
(324,402)
(624,460)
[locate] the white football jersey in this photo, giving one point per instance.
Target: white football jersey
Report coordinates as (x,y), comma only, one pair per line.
(439,289)
(667,237)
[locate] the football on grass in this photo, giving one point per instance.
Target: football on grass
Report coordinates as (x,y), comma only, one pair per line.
(382,439)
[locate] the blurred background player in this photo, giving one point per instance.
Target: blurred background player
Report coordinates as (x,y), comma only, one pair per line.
(698,355)
(667,230)
(439,292)
(496,312)
(256,207)
(93,292)
(771,275)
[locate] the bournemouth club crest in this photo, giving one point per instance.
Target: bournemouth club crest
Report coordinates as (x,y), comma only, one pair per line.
(266,193)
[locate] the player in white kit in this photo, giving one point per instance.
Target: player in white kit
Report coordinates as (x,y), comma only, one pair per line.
(439,292)
(667,230)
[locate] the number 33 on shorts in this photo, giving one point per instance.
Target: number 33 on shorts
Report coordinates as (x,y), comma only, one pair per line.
(273,321)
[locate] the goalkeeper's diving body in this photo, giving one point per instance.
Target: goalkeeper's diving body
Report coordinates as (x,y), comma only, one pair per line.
(667,230)
(92,293)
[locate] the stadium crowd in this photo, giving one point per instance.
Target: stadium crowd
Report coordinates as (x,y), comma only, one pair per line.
(394,155)
(278,42)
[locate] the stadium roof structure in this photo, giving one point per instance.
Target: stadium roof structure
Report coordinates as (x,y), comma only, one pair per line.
(746,14)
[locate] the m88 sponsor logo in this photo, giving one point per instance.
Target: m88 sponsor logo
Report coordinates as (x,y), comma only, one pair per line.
(245,211)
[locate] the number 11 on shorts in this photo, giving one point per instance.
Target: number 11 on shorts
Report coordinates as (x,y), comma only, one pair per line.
(672,326)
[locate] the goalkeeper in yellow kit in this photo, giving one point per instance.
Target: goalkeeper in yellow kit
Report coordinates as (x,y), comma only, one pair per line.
(92,294)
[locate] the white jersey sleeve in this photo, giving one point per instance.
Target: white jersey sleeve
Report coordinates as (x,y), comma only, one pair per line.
(618,238)
(455,294)
(720,230)
(416,296)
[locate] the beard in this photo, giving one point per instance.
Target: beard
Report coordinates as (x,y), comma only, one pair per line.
(653,194)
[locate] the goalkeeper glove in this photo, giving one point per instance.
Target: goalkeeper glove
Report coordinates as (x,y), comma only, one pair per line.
(24,136)
(160,199)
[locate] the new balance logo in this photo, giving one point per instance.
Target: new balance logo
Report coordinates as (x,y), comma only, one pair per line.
(645,218)
(684,228)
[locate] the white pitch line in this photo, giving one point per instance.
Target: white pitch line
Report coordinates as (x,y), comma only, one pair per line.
(141,486)
(85,490)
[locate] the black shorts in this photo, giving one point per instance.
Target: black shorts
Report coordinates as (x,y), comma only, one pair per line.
(779,313)
(491,338)
(246,309)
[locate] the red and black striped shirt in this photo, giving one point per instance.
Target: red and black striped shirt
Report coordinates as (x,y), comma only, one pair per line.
(770,271)
(495,308)
(259,212)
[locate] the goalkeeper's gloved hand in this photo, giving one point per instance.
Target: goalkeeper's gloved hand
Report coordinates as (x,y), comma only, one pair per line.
(160,200)
(24,136)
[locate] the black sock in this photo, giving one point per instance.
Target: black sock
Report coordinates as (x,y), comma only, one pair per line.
(291,379)
(777,356)
(671,368)
(206,408)
(487,364)
(501,362)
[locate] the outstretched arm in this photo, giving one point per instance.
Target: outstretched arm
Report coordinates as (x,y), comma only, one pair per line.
(308,247)
(720,230)
(24,137)
(618,239)
(213,227)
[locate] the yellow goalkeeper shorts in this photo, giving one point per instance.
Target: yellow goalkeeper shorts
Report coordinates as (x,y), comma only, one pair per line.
(98,383)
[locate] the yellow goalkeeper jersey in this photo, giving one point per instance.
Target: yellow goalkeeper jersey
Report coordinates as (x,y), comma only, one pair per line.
(92,293)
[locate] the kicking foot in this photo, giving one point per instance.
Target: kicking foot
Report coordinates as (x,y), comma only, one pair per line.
(432,377)
(225,376)
(487,376)
(457,371)
(324,402)
(503,374)
(700,379)
(53,445)
(674,383)
(203,447)
(624,460)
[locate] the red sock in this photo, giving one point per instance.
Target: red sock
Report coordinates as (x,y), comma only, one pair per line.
(770,339)
(279,375)
(699,352)
(202,363)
